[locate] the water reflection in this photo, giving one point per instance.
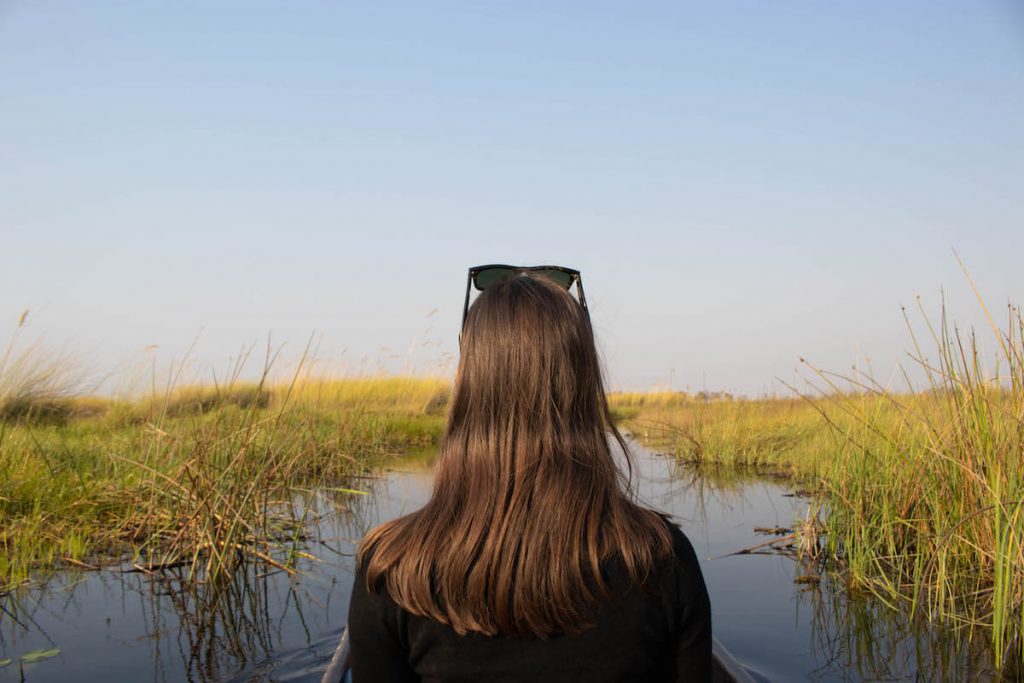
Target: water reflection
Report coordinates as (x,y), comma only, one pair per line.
(857,639)
(832,635)
(264,626)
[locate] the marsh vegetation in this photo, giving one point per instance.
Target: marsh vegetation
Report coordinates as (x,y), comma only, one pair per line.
(920,489)
(204,477)
(923,489)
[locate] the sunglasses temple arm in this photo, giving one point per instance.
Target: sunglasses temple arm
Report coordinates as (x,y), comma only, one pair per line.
(465,305)
(579,290)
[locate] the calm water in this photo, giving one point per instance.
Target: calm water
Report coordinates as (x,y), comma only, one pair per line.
(126,626)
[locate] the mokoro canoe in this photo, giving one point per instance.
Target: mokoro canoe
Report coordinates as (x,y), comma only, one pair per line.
(726,668)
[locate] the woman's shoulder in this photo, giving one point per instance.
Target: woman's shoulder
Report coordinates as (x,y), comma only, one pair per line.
(382,535)
(683,552)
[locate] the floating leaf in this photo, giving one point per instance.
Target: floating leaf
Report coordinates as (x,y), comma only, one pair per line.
(39,655)
(5,662)
(352,491)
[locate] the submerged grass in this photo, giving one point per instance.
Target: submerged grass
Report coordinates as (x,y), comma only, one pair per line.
(203,477)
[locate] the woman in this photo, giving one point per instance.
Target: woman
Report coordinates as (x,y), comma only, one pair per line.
(531,561)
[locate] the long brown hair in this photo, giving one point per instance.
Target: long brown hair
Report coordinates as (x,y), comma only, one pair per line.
(528,501)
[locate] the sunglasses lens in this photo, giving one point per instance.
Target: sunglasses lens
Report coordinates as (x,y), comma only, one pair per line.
(561,277)
(491,276)
(485,278)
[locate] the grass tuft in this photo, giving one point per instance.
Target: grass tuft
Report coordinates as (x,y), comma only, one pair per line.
(200,477)
(924,489)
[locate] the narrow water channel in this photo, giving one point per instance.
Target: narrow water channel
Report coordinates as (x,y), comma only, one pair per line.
(125,626)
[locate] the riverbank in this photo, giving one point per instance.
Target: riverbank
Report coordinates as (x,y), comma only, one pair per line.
(264,625)
(924,489)
(201,477)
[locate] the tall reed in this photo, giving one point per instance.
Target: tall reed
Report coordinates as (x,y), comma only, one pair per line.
(927,493)
(35,382)
(781,434)
(209,477)
(924,486)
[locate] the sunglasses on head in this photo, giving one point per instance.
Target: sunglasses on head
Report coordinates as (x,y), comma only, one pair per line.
(483,277)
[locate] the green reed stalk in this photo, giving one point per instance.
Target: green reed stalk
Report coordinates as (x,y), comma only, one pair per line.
(206,476)
(925,489)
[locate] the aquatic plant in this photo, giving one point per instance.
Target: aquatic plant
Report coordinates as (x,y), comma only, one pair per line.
(35,382)
(927,496)
(924,487)
(204,476)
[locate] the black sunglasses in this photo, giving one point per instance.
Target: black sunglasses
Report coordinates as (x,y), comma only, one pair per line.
(483,277)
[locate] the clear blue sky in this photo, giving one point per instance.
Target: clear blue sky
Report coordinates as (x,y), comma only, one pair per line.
(741,183)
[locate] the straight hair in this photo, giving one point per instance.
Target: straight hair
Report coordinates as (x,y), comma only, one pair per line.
(528,502)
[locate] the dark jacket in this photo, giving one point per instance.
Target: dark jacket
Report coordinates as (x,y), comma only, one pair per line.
(658,633)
